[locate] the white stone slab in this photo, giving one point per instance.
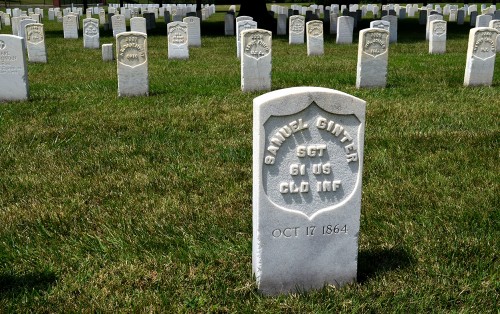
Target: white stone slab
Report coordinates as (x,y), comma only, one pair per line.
(138,24)
(118,23)
(281,28)
(13,69)
(256,47)
(229,24)
(345,29)
(70,26)
(481,51)
(107,52)
(315,42)
(483,20)
(178,40)
(373,57)
(393,27)
(91,33)
(307,165)
(296,28)
(495,24)
(242,25)
(333,22)
(35,43)
(437,37)
(132,64)
(22,27)
(194,31)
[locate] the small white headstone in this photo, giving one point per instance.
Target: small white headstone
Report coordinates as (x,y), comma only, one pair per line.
(333,22)
(35,43)
(256,45)
(70,26)
(481,53)
(296,29)
(345,29)
(393,27)
(178,40)
(307,165)
(315,42)
(373,57)
(483,20)
(132,64)
(118,24)
(437,37)
(91,33)
(13,69)
(107,52)
(138,24)
(194,31)
(242,26)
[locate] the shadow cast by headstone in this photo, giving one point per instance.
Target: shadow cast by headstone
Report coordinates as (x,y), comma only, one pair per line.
(374,262)
(11,285)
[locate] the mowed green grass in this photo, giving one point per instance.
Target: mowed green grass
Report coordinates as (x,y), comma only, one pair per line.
(143,204)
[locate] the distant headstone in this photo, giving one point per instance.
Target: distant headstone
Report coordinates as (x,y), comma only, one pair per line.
(315,42)
(107,52)
(296,29)
(461,17)
(118,23)
(483,20)
(373,57)
(393,27)
(242,26)
(35,43)
(13,69)
(138,24)
(256,45)
(166,17)
(345,29)
(194,31)
(381,25)
(473,16)
(281,29)
(70,26)
(437,37)
(433,17)
(150,20)
(495,24)
(91,33)
(22,27)
(229,24)
(422,17)
(132,64)
(481,53)
(307,165)
(178,47)
(333,22)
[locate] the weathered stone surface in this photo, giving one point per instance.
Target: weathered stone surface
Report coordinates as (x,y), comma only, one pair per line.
(481,51)
(138,24)
(242,25)
(194,31)
(256,45)
(107,52)
(345,29)
(132,64)
(91,37)
(393,27)
(35,43)
(70,26)
(315,42)
(307,165)
(282,19)
(118,24)
(495,24)
(296,29)
(381,25)
(437,37)
(373,57)
(178,47)
(13,69)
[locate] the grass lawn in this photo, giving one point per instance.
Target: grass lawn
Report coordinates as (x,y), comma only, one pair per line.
(143,204)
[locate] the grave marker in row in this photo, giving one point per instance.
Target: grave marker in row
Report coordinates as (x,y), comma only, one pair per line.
(178,40)
(256,45)
(35,43)
(13,69)
(481,52)
(132,64)
(373,58)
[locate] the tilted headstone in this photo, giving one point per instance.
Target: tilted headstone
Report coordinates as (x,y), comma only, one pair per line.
(132,64)
(118,23)
(229,24)
(107,52)
(481,53)
(315,42)
(70,26)
(13,69)
(256,45)
(178,40)
(393,27)
(35,43)
(138,24)
(373,57)
(194,31)
(307,165)
(345,30)
(296,29)
(437,37)
(495,24)
(91,33)
(242,26)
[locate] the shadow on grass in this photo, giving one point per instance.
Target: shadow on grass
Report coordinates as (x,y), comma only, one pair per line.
(376,261)
(14,284)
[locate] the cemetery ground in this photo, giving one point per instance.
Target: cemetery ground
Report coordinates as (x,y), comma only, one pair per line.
(143,204)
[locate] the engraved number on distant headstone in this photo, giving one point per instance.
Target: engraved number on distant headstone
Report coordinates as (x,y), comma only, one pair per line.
(484,46)
(375,44)
(132,52)
(258,47)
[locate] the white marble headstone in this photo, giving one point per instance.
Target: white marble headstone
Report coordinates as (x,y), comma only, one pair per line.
(296,29)
(242,26)
(194,31)
(35,43)
(437,37)
(178,40)
(132,64)
(495,24)
(481,51)
(345,29)
(256,47)
(307,165)
(393,27)
(373,57)
(118,23)
(107,52)
(13,69)
(138,24)
(91,33)
(70,26)
(315,42)
(229,24)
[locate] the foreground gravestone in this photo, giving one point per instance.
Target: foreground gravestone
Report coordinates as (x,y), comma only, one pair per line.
(307,165)
(256,45)
(373,57)
(91,38)
(13,69)
(178,47)
(296,29)
(315,42)
(481,53)
(437,37)
(496,25)
(35,43)
(132,64)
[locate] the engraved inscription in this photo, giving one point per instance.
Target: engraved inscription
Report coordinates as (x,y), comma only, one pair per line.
(309,231)
(297,26)
(311,160)
(439,28)
(375,43)
(316,29)
(177,35)
(34,34)
(484,44)
(91,29)
(132,50)
(258,46)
